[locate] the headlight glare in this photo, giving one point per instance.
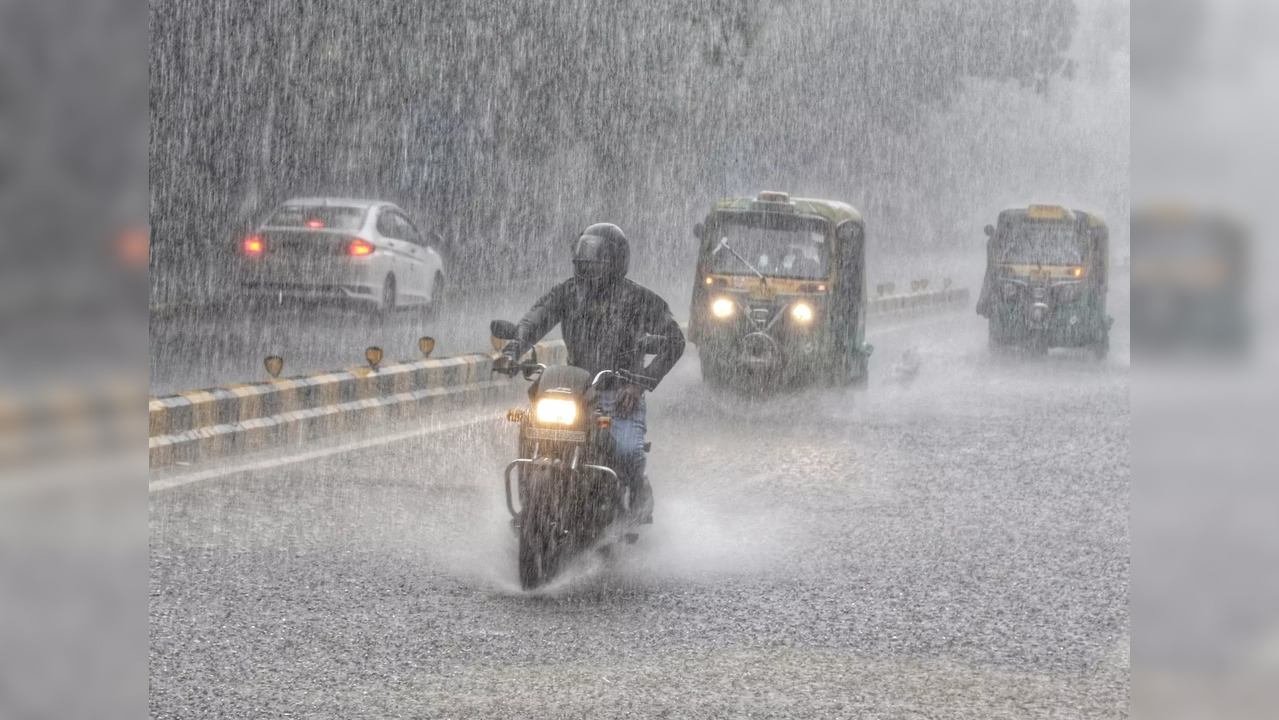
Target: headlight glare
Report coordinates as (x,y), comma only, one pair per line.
(722,308)
(554,411)
(802,312)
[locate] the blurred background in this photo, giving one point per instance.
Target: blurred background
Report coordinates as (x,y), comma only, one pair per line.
(511,125)
(1205,592)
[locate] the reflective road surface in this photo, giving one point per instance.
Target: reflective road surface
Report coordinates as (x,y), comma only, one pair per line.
(952,543)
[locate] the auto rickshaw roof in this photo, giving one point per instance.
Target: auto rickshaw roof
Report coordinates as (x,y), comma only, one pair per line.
(833,211)
(1051,212)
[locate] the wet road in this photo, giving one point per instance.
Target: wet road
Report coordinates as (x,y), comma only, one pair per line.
(952,543)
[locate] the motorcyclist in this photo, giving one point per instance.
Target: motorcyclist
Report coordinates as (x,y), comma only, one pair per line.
(604,315)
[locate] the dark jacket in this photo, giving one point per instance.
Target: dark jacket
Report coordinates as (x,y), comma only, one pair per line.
(601,327)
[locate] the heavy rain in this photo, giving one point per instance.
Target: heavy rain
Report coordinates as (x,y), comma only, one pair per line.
(868,500)
(703,359)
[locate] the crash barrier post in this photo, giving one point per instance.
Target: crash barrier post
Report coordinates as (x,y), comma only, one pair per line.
(190,427)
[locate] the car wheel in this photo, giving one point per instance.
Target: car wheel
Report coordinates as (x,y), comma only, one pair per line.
(388,295)
(436,307)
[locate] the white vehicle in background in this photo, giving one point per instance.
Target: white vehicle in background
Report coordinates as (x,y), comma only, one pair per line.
(365,252)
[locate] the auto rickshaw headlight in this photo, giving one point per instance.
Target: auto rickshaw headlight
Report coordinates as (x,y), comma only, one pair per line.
(554,411)
(722,308)
(802,312)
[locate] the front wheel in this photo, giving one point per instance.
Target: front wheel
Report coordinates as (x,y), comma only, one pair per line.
(539,556)
(436,306)
(999,335)
(712,369)
(388,303)
(540,549)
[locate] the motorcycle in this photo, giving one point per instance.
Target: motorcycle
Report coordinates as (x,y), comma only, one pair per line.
(571,498)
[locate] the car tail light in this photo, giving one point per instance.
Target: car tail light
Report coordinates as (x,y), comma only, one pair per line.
(359,248)
(314,224)
(253,245)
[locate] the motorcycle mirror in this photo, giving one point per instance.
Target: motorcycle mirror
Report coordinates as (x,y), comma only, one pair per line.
(651,344)
(503,330)
(426,344)
(698,229)
(990,230)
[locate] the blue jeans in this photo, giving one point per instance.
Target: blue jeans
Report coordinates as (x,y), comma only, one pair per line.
(628,437)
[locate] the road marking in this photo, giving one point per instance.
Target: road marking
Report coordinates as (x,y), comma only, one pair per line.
(265,464)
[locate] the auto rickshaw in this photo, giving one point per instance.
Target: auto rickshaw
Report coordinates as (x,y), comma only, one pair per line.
(1047,271)
(1189,283)
(779,296)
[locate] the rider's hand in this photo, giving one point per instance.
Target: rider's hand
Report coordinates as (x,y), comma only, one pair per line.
(627,400)
(506,364)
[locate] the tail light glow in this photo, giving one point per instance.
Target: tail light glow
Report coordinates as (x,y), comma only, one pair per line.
(359,248)
(253,245)
(314,224)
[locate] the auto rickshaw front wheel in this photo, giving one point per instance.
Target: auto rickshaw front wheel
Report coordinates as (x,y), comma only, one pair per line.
(712,370)
(1101,348)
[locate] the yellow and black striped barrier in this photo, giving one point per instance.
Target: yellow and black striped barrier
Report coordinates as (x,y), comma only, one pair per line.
(234,419)
(199,425)
(887,304)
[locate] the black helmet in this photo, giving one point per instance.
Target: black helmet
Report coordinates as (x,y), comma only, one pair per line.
(601,254)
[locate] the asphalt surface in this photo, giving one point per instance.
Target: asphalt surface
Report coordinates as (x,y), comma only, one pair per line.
(952,543)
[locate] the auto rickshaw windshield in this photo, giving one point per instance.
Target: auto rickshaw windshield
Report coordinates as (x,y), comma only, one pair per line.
(1041,243)
(776,249)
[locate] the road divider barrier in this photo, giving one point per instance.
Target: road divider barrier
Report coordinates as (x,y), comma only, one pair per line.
(200,425)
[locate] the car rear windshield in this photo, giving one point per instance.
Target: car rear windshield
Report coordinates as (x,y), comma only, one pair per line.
(774,245)
(317,217)
(1041,243)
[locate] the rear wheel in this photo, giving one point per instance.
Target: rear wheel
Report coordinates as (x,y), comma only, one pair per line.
(1101,348)
(437,297)
(860,376)
(388,295)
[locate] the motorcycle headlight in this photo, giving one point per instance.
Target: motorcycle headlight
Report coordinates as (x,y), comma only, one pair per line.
(554,411)
(802,312)
(722,308)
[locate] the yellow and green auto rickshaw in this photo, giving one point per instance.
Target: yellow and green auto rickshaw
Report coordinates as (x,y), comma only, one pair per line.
(1189,283)
(779,295)
(1046,279)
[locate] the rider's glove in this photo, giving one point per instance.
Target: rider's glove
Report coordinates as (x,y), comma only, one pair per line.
(509,361)
(627,400)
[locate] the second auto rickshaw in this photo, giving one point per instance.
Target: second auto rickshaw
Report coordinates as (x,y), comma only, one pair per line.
(779,295)
(1046,279)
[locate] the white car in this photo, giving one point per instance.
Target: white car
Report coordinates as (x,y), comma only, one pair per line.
(362,251)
